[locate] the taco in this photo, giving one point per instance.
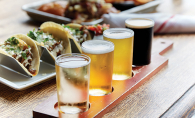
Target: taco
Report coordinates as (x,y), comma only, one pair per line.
(24,50)
(78,34)
(53,37)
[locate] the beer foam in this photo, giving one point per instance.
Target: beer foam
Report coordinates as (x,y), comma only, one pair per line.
(139,23)
(97,46)
(74,61)
(118,33)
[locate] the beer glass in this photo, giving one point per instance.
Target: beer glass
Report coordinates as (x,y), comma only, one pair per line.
(143,29)
(72,76)
(101,53)
(123,52)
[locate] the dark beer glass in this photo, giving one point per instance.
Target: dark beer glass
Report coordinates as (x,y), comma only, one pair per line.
(143,34)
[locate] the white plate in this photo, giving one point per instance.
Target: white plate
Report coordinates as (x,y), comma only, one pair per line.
(21,82)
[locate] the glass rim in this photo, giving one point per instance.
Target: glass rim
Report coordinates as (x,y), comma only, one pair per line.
(73,55)
(97,51)
(139,27)
(118,29)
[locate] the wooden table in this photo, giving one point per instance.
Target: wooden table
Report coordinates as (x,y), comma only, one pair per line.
(170,93)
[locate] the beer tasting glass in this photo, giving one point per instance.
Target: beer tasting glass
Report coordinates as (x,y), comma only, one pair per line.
(143,29)
(123,52)
(101,53)
(72,77)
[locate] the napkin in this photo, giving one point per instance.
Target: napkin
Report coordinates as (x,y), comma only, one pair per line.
(164,23)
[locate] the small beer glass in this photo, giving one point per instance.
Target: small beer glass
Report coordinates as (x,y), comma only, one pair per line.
(143,29)
(72,76)
(123,52)
(101,53)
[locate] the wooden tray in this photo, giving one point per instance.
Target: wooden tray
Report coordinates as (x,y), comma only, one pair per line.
(100,105)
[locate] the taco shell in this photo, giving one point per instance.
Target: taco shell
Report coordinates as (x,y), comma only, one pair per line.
(74,44)
(58,32)
(27,41)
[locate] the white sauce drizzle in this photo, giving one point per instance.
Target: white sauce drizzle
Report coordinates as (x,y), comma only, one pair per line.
(18,53)
(57,49)
(78,37)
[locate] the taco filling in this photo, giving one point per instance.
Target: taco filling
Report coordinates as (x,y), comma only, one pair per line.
(47,40)
(19,50)
(79,34)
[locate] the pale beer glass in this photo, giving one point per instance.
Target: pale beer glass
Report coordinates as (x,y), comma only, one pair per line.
(123,52)
(101,53)
(72,76)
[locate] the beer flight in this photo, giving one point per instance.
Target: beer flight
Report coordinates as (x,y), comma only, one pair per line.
(101,61)
(91,71)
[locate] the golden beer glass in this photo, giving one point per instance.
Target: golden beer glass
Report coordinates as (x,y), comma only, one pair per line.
(123,52)
(101,53)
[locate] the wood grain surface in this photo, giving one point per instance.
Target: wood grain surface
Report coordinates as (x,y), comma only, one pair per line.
(170,93)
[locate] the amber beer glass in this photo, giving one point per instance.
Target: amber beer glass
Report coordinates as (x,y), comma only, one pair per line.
(72,76)
(123,52)
(101,53)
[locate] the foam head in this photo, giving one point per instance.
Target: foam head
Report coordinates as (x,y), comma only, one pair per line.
(118,33)
(72,60)
(97,46)
(139,23)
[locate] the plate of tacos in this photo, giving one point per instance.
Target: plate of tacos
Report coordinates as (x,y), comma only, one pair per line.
(29,59)
(20,64)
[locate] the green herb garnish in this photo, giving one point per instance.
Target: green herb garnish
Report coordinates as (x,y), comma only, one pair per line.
(13,41)
(66,26)
(11,49)
(46,39)
(8,49)
(39,32)
(24,55)
(31,35)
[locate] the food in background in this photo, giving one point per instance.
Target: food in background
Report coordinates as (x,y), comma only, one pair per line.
(57,8)
(79,10)
(87,11)
(98,29)
(136,2)
(140,2)
(24,51)
(117,1)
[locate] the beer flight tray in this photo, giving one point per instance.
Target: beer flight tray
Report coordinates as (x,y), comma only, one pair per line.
(100,105)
